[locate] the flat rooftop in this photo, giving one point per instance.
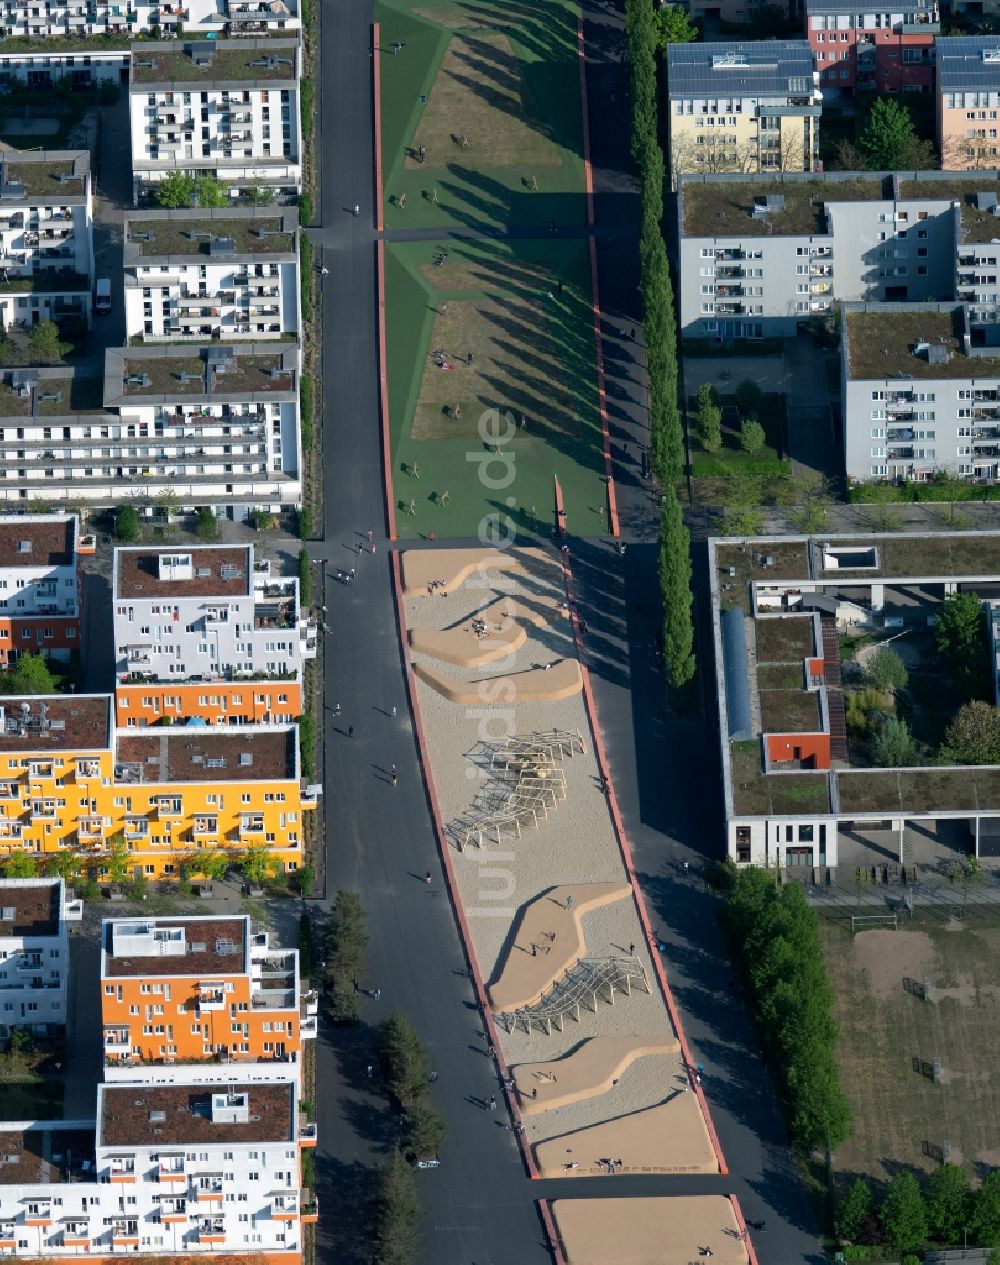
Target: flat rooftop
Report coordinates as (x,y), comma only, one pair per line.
(977,226)
(36,542)
(35,1157)
(57,393)
(53,176)
(818,7)
(224,62)
(176,372)
(55,722)
(212,946)
(33,908)
(967,63)
(723,208)
(169,235)
(883,344)
(200,755)
(131,1115)
(741,68)
(216,571)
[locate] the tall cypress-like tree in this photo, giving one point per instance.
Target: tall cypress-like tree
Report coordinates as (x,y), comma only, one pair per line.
(675,590)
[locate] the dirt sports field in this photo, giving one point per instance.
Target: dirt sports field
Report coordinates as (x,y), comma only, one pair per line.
(891,1035)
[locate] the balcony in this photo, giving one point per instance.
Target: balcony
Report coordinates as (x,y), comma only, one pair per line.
(117,1041)
(123,1169)
(210,1231)
(205,827)
(309,1206)
(307,1132)
(211,995)
(125,1234)
(173,1211)
(285,1206)
(75,1233)
(38,1214)
(136,828)
(209,1188)
(90,829)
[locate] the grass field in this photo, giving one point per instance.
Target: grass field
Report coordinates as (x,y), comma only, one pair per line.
(491,92)
(522,312)
(889,1039)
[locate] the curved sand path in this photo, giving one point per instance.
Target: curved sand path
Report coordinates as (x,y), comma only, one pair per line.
(451,567)
(538,685)
(504,632)
(586,1072)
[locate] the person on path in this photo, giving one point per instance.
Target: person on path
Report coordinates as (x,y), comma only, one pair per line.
(324,272)
(394,711)
(395,776)
(350,731)
(336,709)
(373,546)
(569,901)
(370,533)
(631,949)
(376,994)
(493,1102)
(356,210)
(427,878)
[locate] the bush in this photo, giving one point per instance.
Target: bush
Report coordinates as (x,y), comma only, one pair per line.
(894,747)
(29,675)
(885,670)
(305,946)
(305,208)
(45,345)
(749,398)
(776,936)
(973,737)
(305,578)
(127,524)
(708,419)
(306,275)
(305,522)
(306,419)
(307,744)
(963,643)
(753,438)
(206,525)
(306,106)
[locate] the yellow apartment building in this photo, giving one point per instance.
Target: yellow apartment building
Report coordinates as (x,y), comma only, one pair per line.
(744,107)
(68,782)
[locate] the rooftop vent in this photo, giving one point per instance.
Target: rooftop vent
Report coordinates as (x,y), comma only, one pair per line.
(157,1117)
(23,380)
(933,353)
(24,546)
(138,380)
(729,61)
(201,54)
(986,202)
(222,246)
(768,203)
(64,176)
(146,63)
(219,358)
(145,235)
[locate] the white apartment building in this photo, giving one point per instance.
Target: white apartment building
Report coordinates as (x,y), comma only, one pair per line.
(178,1164)
(208,614)
(921,392)
(211,274)
(215,425)
(759,257)
(38,19)
(81,68)
(228,109)
(40,585)
(46,242)
(34,954)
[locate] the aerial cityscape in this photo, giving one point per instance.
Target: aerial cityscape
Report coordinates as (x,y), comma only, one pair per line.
(499,632)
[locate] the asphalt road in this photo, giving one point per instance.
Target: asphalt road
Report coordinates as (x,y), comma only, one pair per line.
(479,1204)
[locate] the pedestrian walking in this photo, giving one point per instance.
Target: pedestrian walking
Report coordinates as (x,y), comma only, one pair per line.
(427,878)
(373,546)
(631,949)
(376,994)
(350,731)
(394,711)
(395,776)
(370,534)
(569,901)
(324,272)
(534,1091)
(433,1078)
(686,866)
(356,210)
(493,1102)
(336,709)
(370,1070)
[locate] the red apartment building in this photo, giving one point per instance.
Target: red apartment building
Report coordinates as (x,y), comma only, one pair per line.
(866,47)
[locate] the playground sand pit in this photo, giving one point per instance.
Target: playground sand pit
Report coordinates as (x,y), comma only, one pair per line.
(889,957)
(648,1231)
(574,844)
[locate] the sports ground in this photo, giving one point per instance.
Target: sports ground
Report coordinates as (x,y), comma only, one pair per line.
(491,370)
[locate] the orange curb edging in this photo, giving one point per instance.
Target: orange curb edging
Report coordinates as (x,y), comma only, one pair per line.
(747,1243)
(477,980)
(626,853)
(602,397)
(588,171)
(383,391)
(377,93)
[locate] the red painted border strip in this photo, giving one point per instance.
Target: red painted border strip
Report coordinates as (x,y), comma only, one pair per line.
(463,926)
(383,392)
(738,1214)
(377,93)
(626,853)
(602,395)
(587,169)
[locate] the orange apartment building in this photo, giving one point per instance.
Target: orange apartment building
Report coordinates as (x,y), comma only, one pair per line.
(40,590)
(206,634)
(177,990)
(968,102)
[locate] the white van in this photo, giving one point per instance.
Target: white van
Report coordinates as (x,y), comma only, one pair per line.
(102,295)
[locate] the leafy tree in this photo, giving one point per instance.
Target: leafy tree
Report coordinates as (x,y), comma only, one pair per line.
(127,524)
(307,744)
(304,877)
(904,1217)
(749,398)
(65,864)
(305,945)
(708,419)
(894,747)
(118,861)
(973,737)
(206,525)
(962,641)
(259,194)
(885,670)
(258,865)
(176,190)
(345,948)
(675,592)
(29,675)
(673,26)
(743,522)
(20,865)
(168,505)
(985,1219)
(405,1061)
(209,193)
(305,578)
(752,437)
(44,343)
(889,142)
(423,1131)
(211,865)
(853,1211)
(305,523)
(949,1203)
(397,1213)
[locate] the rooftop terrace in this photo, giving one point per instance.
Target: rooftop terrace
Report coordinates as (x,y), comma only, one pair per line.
(216,571)
(174,234)
(57,722)
(212,946)
(199,755)
(227,61)
(881,344)
(33,907)
(164,1115)
(723,208)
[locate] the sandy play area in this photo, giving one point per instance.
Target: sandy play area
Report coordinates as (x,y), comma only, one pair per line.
(648,1231)
(545,893)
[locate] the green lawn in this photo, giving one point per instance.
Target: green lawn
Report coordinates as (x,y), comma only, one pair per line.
(503,76)
(522,312)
